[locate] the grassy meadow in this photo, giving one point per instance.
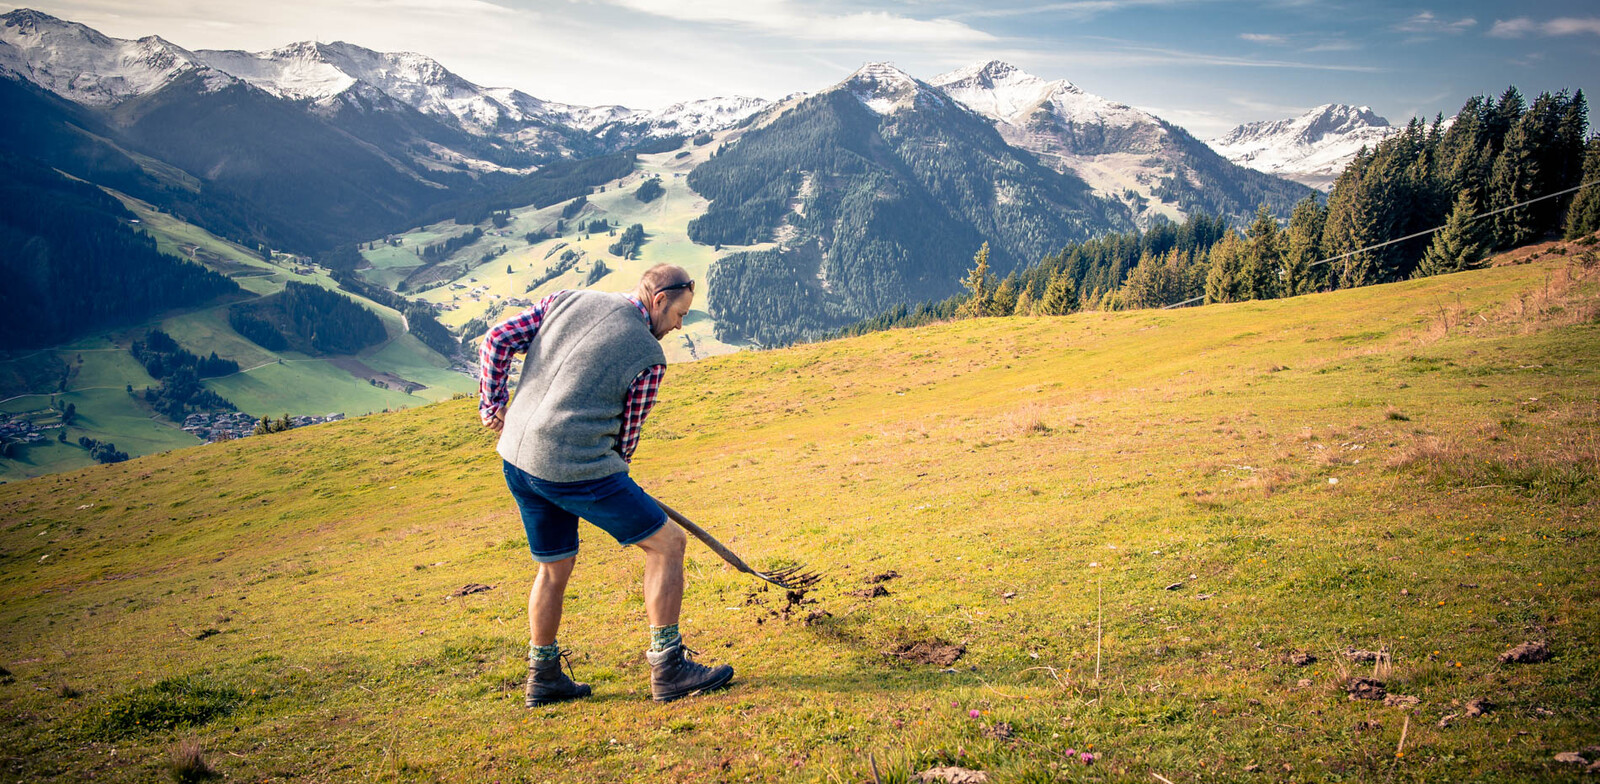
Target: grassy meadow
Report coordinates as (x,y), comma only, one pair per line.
(1170,539)
(269,383)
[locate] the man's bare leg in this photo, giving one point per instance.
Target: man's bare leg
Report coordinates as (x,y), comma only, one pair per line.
(546,599)
(672,673)
(546,682)
(663,574)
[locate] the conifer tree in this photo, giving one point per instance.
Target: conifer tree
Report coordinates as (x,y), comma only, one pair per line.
(1004,302)
(1512,180)
(1024,303)
(1503,115)
(1465,151)
(1060,296)
(1346,228)
(980,285)
(1302,247)
(1224,281)
(1263,257)
(1583,217)
(1142,288)
(1457,246)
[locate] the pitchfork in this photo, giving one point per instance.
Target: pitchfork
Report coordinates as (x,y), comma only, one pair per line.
(790,579)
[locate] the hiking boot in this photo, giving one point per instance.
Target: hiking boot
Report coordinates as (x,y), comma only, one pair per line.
(548,684)
(674,675)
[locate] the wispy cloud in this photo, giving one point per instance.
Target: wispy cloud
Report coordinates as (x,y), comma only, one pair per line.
(1523,26)
(787,19)
(1304,42)
(1426,23)
(1080,9)
(1135,54)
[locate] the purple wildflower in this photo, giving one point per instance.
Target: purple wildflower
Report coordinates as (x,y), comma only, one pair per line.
(974,713)
(1088,759)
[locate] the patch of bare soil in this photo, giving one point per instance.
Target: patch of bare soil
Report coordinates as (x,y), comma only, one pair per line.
(935,651)
(1000,731)
(1366,689)
(470,588)
(795,601)
(871,593)
(884,577)
(953,775)
(361,370)
(1527,653)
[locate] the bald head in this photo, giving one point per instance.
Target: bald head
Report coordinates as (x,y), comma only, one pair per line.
(670,279)
(667,292)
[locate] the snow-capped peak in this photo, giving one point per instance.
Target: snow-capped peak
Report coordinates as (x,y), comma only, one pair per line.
(85,66)
(984,74)
(318,72)
(886,89)
(1004,92)
(1311,148)
(1329,119)
(80,64)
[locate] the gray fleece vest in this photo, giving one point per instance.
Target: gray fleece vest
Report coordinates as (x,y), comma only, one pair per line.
(565,419)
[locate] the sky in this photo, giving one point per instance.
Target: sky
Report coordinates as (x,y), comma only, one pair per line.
(1206,65)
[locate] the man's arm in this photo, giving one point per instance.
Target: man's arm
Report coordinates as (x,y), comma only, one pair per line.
(636,406)
(508,338)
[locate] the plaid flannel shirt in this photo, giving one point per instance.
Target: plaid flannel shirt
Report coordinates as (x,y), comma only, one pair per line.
(512,336)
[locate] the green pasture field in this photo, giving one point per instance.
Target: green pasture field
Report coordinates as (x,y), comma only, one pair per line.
(104,414)
(307,387)
(105,411)
(1107,532)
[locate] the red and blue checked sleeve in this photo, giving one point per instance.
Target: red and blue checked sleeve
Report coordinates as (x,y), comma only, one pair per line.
(507,339)
(636,406)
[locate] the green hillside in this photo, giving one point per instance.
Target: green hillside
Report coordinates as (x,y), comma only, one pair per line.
(1128,525)
(269,383)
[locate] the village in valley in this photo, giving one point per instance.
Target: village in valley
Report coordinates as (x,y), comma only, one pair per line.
(212,427)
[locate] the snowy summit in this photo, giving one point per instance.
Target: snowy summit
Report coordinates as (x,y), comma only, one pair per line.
(87,67)
(1003,92)
(82,65)
(1312,148)
(886,89)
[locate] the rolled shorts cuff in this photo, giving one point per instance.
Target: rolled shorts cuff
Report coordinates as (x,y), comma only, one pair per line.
(646,535)
(557,557)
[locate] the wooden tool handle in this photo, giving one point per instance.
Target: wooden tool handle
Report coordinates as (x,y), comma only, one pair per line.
(710,541)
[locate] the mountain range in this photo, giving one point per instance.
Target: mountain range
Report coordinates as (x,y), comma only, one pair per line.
(300,148)
(872,193)
(1311,148)
(1154,167)
(87,67)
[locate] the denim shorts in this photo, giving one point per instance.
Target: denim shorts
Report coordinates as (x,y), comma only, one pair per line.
(550,511)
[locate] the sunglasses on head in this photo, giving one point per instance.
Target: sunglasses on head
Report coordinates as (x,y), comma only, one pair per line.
(688,284)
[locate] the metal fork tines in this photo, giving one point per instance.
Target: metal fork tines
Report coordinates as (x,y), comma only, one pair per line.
(792,578)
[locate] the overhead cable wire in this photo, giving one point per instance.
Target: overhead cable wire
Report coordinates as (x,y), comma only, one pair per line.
(1386,243)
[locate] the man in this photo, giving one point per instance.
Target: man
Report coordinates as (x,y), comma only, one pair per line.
(593,366)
